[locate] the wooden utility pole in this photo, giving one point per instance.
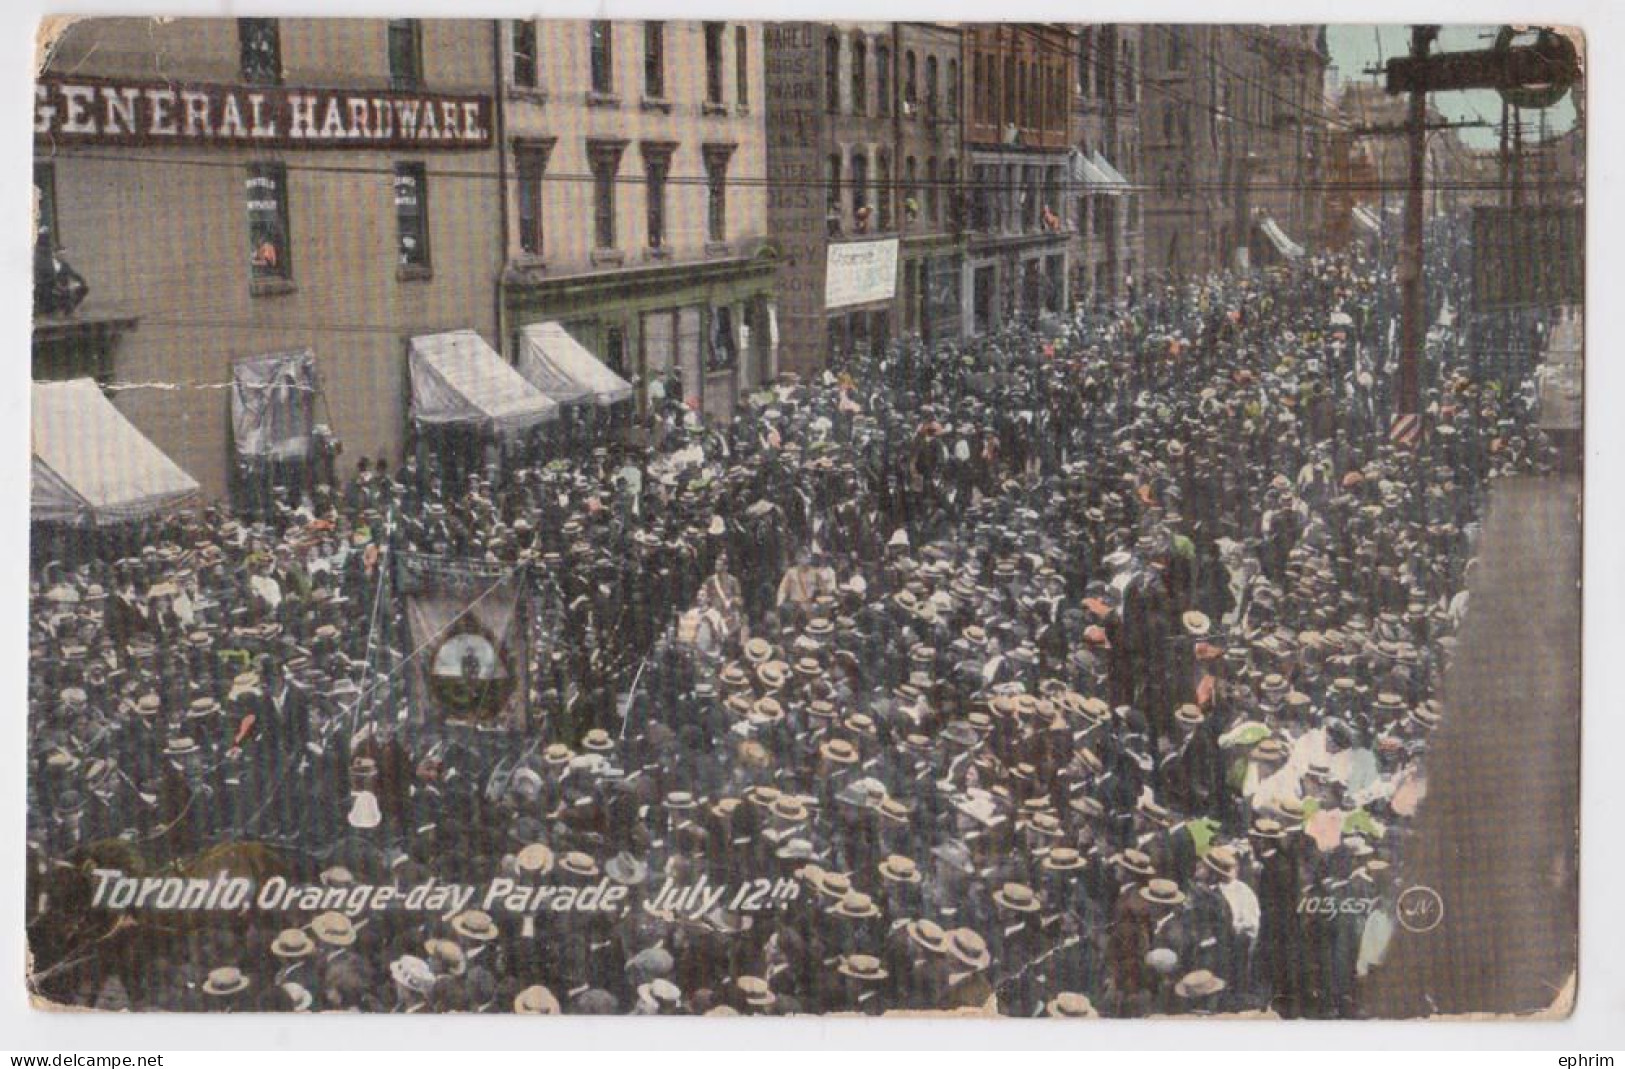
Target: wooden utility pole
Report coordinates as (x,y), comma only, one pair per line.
(1412,292)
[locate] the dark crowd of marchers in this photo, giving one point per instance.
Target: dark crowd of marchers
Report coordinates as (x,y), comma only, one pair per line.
(1085,669)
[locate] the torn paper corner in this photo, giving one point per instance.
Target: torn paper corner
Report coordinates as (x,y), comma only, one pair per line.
(48,36)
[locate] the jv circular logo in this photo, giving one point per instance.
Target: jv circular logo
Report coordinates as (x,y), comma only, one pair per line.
(1419,909)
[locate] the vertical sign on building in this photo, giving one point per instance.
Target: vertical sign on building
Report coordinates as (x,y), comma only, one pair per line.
(795,197)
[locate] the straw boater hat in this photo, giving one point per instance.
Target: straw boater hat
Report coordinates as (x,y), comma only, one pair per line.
(228,980)
(839,751)
(1135,861)
(773,674)
(1063,859)
(758,650)
(536,1000)
(861,967)
(1017,896)
(761,794)
(334,929)
(1222,860)
(1198,984)
(1196,623)
(535,860)
(577,863)
(1190,715)
(476,925)
(180,746)
(1070,1004)
(1162,893)
(755,991)
(969,948)
(448,954)
(857,905)
(598,741)
(928,935)
(292,943)
(557,754)
(898,869)
(789,808)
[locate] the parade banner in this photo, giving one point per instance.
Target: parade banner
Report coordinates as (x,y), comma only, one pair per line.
(470,647)
(860,272)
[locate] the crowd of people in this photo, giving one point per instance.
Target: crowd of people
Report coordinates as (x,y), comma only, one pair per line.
(1075,671)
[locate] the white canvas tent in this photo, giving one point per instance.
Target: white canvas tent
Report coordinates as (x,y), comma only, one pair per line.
(91,467)
(562,368)
(459,380)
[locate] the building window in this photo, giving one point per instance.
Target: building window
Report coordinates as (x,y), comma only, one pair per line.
(267,198)
(1086,46)
(45,232)
(602,39)
(259,44)
(1131,84)
(860,76)
(713,62)
(911,85)
(412,214)
(656,169)
(531,164)
(605,157)
(932,88)
(654,60)
(883,190)
(883,79)
(950,189)
(716,191)
(524,53)
(405,54)
(741,67)
(832,74)
(832,186)
(953,89)
(1009,89)
(1176,50)
(933,198)
(911,190)
(860,191)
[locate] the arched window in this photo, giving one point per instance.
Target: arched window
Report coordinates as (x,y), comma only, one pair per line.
(931,86)
(933,194)
(911,190)
(883,190)
(832,187)
(911,87)
(860,76)
(860,186)
(1168,121)
(1086,48)
(1131,84)
(883,79)
(832,74)
(950,189)
(953,89)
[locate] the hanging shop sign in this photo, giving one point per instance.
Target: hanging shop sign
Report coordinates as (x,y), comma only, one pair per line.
(95,111)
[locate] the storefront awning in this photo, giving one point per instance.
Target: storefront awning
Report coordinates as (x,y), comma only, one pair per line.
(91,467)
(562,368)
(1114,177)
(459,380)
(1277,237)
(273,405)
(1366,219)
(1085,174)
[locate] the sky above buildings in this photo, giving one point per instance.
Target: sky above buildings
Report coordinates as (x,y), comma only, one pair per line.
(1356,49)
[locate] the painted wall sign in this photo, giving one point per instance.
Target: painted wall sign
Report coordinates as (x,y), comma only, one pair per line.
(95,111)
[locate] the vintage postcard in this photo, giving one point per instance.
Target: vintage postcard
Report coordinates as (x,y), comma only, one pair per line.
(733,518)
